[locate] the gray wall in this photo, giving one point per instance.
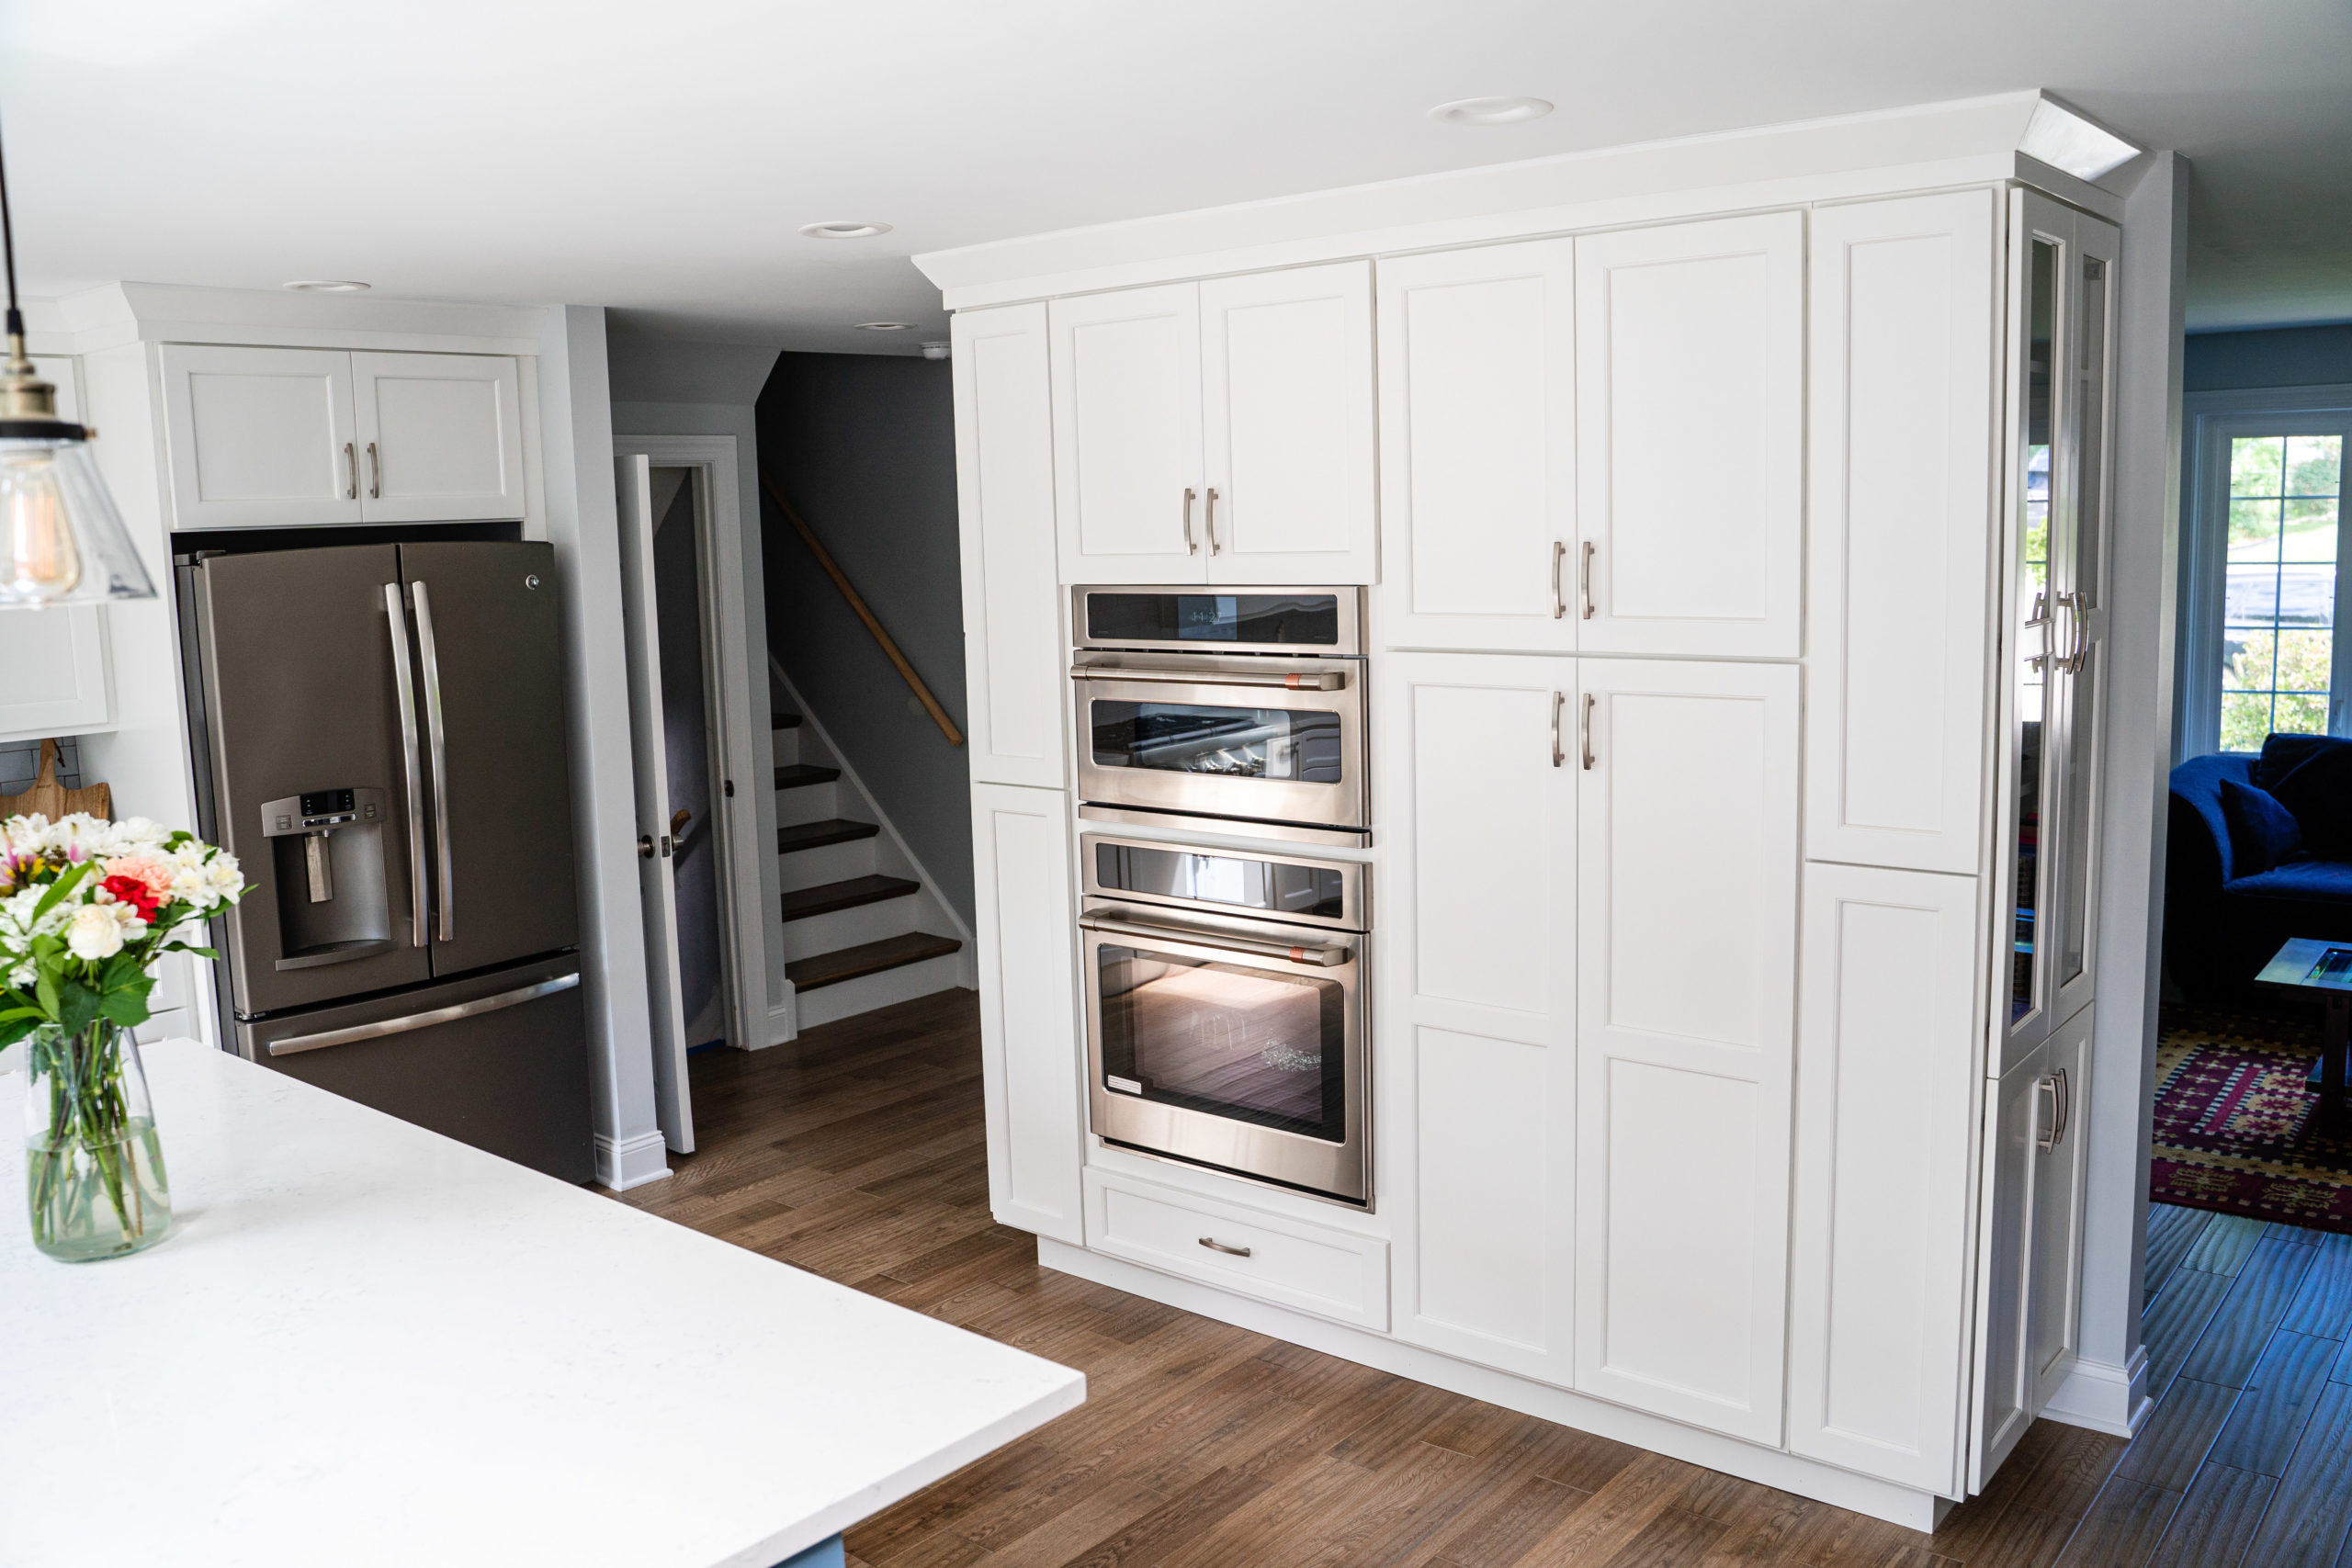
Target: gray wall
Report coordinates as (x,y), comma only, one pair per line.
(864,448)
(2278,356)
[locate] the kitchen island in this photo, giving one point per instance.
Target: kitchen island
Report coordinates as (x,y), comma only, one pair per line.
(364,1343)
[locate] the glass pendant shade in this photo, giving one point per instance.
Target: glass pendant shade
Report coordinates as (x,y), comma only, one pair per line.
(62,541)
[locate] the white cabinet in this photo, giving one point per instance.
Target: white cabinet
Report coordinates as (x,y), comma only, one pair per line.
(1034,1065)
(1216,432)
(1689,436)
(58,676)
(1477,1028)
(1477,447)
(1319,1269)
(2028,1292)
(276,438)
(1887,1076)
(1687,857)
(1902,400)
(441,437)
(1013,645)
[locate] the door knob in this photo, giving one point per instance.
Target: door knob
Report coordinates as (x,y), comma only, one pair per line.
(678,820)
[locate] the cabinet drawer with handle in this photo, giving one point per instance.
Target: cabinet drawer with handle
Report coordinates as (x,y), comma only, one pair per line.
(1309,1268)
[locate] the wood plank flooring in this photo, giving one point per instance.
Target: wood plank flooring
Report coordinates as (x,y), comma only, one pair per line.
(856,1151)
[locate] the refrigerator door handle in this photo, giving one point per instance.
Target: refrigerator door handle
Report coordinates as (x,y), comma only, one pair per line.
(444,897)
(475,1008)
(405,692)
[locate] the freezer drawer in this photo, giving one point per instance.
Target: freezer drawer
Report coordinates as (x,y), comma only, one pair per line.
(499,1060)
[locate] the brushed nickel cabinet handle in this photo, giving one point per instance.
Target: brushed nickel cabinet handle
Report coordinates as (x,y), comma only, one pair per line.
(1584,580)
(1208,516)
(2047,1139)
(351,465)
(1191,547)
(1215,1245)
(375,474)
(1583,732)
(1559,599)
(1559,758)
(2040,617)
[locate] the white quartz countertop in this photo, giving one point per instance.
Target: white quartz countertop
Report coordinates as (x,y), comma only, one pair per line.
(364,1343)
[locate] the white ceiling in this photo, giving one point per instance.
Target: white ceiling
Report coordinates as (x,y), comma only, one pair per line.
(658,158)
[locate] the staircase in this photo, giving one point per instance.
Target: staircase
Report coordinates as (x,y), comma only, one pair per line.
(860,928)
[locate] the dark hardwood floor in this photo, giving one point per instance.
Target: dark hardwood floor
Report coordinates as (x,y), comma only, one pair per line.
(857,1153)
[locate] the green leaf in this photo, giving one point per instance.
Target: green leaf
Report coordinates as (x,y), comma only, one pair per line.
(199,952)
(61,887)
(126,1007)
(9,1014)
(16,1029)
(45,988)
(77,1005)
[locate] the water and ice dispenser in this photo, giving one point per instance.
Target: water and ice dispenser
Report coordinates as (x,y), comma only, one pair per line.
(327,851)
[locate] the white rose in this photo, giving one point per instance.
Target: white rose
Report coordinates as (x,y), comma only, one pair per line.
(95,932)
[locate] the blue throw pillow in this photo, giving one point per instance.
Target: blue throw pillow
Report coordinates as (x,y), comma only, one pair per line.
(2263,833)
(2311,777)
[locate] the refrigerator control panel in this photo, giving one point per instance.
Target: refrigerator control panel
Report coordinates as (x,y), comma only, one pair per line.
(321,809)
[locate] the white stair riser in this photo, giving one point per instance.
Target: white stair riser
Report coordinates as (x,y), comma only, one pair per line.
(809,803)
(850,928)
(833,862)
(870,991)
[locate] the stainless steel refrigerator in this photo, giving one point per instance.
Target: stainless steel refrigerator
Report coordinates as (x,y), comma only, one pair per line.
(381,730)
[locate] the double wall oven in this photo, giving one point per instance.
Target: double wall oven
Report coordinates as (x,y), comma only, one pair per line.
(1227,1003)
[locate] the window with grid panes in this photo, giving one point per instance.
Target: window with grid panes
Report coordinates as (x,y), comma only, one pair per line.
(2278,599)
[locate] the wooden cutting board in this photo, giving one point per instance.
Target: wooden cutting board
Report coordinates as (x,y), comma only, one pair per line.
(51,799)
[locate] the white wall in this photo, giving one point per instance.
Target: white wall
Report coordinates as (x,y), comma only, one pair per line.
(2107,1390)
(582,523)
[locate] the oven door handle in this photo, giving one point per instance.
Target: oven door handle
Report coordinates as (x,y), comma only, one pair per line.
(1323,958)
(1292,680)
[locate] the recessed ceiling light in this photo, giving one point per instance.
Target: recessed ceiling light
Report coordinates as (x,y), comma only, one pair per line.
(845,228)
(886,326)
(1491,111)
(326,285)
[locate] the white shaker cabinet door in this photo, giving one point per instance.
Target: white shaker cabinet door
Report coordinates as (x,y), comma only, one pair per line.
(1013,648)
(1903,415)
(260,437)
(1477,447)
(1031,1061)
(1289,424)
(1887,1080)
(1687,856)
(441,437)
(58,674)
(1477,1026)
(1691,437)
(1127,471)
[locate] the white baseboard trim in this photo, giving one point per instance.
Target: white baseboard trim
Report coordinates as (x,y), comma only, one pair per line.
(631,1162)
(782,1028)
(2104,1397)
(1769,1467)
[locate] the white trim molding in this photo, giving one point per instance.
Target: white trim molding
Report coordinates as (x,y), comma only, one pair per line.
(631,1162)
(2103,1397)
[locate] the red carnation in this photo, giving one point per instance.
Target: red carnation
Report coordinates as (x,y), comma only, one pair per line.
(134,892)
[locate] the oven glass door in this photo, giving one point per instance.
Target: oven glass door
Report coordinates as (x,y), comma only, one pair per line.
(1251,1063)
(1309,892)
(1241,620)
(1155,739)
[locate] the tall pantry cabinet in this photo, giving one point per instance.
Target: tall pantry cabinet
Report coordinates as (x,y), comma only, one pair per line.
(1734,649)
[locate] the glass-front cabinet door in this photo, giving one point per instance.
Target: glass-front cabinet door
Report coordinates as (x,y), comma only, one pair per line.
(2061,279)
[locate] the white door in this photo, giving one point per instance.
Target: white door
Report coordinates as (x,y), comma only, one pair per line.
(1686,974)
(1477,1028)
(1901,512)
(1887,1049)
(1015,652)
(1127,476)
(658,893)
(1288,425)
(441,437)
(1690,435)
(260,437)
(1477,447)
(1030,1048)
(2053,1274)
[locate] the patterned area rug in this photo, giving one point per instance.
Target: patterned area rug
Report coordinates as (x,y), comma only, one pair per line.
(2234,1128)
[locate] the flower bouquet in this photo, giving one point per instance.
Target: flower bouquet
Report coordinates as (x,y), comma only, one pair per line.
(85,907)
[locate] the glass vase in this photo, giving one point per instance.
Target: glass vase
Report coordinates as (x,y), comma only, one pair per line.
(93,1171)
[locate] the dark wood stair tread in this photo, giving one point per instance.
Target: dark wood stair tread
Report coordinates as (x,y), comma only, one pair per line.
(803,902)
(816,835)
(784,721)
(867,958)
(800,775)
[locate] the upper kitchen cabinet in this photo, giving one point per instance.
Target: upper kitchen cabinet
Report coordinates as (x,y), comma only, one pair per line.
(1690,437)
(275,437)
(59,680)
(1478,426)
(1216,432)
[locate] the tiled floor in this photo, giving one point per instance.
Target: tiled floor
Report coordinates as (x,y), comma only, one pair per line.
(858,1152)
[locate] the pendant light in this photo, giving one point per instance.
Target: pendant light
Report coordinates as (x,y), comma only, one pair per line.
(62,541)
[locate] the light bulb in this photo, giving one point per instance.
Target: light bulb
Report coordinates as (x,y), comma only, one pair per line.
(44,563)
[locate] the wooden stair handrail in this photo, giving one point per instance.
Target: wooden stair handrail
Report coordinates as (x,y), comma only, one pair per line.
(858,603)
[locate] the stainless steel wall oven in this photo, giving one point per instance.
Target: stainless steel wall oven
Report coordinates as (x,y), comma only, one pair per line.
(1226,1009)
(1241,703)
